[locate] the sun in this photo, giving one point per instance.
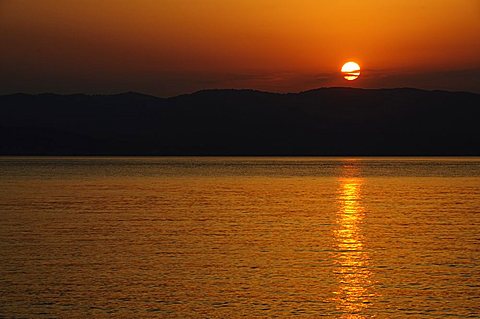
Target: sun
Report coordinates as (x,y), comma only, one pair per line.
(351,71)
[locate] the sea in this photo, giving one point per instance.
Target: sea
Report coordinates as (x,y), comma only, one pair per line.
(239,237)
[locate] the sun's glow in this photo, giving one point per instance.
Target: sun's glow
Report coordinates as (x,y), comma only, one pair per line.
(351,71)
(353,263)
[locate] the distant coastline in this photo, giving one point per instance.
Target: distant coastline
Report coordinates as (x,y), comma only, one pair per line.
(321,122)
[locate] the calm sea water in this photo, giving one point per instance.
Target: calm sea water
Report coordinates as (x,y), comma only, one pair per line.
(239,238)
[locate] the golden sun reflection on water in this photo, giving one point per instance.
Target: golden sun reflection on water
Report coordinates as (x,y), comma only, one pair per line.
(352,261)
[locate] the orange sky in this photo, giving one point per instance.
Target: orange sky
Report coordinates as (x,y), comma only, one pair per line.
(167,47)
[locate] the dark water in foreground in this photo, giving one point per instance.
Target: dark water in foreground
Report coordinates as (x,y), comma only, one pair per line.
(239,238)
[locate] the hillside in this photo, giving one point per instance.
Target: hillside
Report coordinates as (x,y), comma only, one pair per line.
(328,121)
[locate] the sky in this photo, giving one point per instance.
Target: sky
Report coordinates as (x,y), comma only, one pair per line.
(170,47)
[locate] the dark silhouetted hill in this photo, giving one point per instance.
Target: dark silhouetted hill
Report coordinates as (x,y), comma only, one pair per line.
(329,121)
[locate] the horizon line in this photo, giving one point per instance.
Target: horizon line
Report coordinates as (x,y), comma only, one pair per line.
(240,90)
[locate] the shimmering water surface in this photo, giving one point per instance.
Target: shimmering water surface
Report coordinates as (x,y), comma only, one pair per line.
(239,237)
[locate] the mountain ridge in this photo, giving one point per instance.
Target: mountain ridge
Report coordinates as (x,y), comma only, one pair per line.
(322,122)
(135,93)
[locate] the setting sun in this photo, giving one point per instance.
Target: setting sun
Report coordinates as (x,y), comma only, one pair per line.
(351,71)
